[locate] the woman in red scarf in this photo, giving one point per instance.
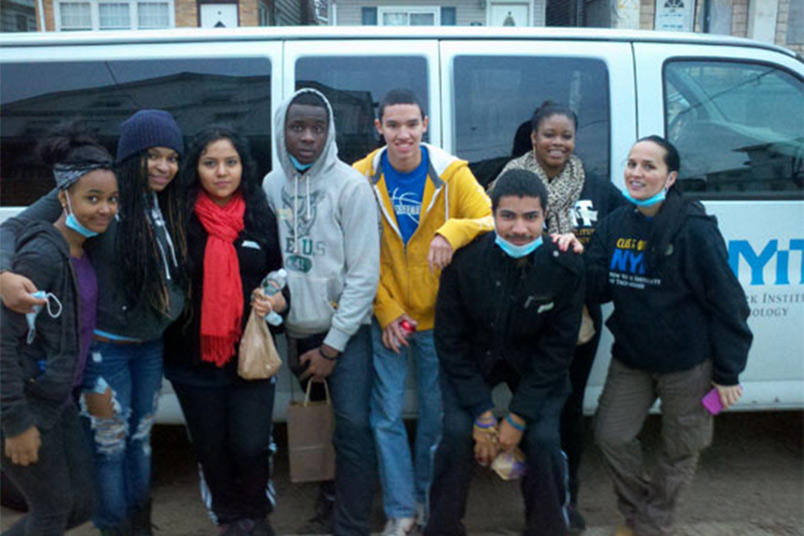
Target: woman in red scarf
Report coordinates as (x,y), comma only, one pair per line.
(232,245)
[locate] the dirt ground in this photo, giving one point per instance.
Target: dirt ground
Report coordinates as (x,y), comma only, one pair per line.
(749,483)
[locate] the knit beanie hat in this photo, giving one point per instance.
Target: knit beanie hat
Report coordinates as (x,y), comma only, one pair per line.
(146,129)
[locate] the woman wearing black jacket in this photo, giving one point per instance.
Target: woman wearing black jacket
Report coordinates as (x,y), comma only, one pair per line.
(45,452)
(232,245)
(679,326)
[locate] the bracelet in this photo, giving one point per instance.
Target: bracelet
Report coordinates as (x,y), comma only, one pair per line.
(325,356)
(516,425)
(484,426)
(487,422)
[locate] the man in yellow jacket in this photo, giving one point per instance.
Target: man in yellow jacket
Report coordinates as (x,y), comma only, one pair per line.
(431,206)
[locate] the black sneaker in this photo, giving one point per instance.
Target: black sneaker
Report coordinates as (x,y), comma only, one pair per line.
(321,522)
(577,524)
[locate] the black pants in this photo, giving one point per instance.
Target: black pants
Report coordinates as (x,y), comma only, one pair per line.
(230,429)
(572,420)
(60,487)
(543,486)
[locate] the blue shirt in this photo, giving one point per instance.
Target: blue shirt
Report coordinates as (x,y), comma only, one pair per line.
(406,191)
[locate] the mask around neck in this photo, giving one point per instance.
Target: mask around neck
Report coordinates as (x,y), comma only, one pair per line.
(298,165)
(517,252)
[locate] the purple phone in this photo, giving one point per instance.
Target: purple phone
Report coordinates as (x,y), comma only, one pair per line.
(712,402)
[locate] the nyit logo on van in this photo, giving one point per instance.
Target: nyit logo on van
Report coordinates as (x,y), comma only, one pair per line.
(629,256)
(758,258)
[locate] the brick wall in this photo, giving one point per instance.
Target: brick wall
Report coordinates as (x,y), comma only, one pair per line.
(782,26)
(739,20)
(647,12)
(186,13)
(248,13)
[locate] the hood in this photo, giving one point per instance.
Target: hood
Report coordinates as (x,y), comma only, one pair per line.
(36,230)
(329,156)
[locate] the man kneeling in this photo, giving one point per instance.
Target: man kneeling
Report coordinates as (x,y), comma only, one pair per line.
(508,310)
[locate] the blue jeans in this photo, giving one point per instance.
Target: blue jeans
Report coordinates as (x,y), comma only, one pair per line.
(122,444)
(355,460)
(405,482)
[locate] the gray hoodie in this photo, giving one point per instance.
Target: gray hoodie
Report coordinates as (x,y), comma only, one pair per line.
(329,232)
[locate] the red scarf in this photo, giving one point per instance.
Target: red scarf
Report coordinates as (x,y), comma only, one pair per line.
(222,297)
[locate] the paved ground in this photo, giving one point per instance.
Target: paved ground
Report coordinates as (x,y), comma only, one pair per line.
(750,483)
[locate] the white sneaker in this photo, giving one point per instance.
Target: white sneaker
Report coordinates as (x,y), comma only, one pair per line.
(401,526)
(421,516)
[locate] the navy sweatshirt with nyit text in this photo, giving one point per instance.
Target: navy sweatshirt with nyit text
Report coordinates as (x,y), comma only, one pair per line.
(670,317)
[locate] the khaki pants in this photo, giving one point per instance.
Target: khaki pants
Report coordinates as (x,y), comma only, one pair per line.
(648,499)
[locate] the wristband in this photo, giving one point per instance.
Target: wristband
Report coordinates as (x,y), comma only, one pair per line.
(485,426)
(487,422)
(325,356)
(516,425)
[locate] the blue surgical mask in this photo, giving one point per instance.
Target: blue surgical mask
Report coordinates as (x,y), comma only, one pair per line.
(73,223)
(515,251)
(30,318)
(658,198)
(298,165)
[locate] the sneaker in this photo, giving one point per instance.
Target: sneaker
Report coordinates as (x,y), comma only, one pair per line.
(577,524)
(399,526)
(421,516)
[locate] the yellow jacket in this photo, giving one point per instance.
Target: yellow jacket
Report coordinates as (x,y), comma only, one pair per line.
(454,205)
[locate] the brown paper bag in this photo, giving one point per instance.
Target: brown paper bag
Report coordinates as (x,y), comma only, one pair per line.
(310,449)
(257,357)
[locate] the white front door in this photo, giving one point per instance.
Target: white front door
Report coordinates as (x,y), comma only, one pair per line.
(219,16)
(510,14)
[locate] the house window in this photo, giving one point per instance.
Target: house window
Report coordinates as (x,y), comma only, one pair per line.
(409,16)
(114,16)
(263,14)
(118,15)
(75,16)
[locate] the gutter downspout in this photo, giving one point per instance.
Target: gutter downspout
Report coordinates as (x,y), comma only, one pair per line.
(41,6)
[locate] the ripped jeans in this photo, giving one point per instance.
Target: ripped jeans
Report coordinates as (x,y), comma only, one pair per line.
(122,444)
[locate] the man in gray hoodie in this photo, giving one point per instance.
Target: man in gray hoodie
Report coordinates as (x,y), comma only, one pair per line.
(329,230)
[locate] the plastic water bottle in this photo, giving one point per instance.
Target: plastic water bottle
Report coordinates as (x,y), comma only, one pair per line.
(273,283)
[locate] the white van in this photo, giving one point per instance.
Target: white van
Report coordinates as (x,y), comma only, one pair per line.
(734,108)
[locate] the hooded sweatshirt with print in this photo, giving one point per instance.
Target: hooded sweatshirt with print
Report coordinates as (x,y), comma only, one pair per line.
(329,233)
(454,205)
(673,313)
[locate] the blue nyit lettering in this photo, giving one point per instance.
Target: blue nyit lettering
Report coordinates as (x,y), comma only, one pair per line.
(628,261)
(770,252)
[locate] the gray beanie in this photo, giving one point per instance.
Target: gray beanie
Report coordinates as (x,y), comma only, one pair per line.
(146,129)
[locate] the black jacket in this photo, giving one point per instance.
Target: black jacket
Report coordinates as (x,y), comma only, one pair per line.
(258,255)
(29,396)
(493,308)
(115,313)
(687,308)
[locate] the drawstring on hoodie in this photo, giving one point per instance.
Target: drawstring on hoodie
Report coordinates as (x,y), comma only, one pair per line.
(159,221)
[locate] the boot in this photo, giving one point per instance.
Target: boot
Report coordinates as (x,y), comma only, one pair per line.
(141,520)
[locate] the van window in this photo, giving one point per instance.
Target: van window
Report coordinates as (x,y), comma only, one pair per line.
(496,95)
(34,97)
(738,126)
(355,86)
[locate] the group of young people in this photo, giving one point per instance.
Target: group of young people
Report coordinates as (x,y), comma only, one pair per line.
(399,262)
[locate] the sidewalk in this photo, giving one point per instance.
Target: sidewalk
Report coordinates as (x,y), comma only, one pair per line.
(750,483)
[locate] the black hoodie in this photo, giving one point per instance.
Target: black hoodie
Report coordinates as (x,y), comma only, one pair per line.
(674,308)
(28,395)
